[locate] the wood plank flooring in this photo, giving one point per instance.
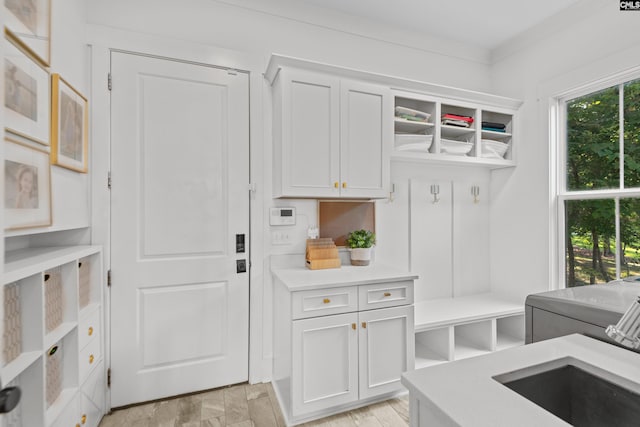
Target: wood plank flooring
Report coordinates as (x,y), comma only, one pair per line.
(245,405)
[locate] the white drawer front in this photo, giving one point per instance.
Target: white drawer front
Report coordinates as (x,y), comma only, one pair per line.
(89,328)
(89,358)
(323,302)
(382,295)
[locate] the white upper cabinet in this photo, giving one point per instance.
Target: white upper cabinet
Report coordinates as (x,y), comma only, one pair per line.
(332,136)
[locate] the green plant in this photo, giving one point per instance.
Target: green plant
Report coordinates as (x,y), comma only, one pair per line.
(361,239)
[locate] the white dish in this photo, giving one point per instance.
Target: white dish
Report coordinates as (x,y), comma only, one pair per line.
(492,149)
(416,146)
(411,138)
(458,148)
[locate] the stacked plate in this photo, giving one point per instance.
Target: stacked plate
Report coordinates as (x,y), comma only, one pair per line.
(411,114)
(458,148)
(413,142)
(492,149)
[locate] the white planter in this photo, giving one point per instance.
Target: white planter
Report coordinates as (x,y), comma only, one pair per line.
(360,256)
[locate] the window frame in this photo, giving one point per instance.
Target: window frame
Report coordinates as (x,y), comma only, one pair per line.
(558,176)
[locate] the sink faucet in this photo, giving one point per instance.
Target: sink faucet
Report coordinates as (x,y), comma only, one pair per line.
(627,330)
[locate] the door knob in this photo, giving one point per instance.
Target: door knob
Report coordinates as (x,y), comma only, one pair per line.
(9,399)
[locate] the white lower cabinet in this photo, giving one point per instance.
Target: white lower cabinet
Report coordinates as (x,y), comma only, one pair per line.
(333,362)
(325,362)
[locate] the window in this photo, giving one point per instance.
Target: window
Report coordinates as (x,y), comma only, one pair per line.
(599,186)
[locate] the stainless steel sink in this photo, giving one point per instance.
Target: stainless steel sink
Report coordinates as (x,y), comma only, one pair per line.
(578,393)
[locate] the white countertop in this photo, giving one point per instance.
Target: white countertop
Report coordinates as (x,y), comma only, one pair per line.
(466,393)
(301,278)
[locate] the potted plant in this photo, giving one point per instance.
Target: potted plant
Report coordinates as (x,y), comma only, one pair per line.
(360,243)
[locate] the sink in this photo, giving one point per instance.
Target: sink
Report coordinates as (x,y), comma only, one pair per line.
(578,393)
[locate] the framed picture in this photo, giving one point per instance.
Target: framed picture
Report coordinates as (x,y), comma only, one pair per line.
(27,186)
(69,126)
(30,21)
(26,92)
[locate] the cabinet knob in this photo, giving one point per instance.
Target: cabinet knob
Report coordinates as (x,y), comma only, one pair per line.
(353,326)
(387,294)
(326,300)
(90,330)
(335,184)
(84,418)
(364,325)
(344,185)
(77,425)
(91,359)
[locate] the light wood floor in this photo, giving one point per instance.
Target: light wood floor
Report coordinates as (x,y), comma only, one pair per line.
(245,405)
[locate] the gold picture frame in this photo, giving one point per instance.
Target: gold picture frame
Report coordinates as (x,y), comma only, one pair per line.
(27,185)
(69,126)
(30,21)
(27,92)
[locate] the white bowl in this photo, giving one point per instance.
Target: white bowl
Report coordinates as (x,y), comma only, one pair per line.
(413,142)
(492,149)
(458,148)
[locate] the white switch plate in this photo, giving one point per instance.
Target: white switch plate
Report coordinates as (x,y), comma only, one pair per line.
(280,238)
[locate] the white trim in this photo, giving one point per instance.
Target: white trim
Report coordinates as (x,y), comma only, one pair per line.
(102,41)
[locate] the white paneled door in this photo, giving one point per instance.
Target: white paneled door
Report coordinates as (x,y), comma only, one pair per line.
(179,198)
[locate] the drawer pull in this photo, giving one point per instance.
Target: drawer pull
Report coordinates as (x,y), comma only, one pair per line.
(364,325)
(77,425)
(326,301)
(335,184)
(344,185)
(91,359)
(84,419)
(387,294)
(353,326)
(90,330)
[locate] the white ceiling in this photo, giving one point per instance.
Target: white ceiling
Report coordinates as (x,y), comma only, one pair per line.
(483,23)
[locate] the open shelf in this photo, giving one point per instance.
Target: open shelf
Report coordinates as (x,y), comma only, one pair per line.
(458,328)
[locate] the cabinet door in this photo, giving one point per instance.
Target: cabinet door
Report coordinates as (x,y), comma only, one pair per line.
(386,347)
(366,135)
(325,362)
(310,134)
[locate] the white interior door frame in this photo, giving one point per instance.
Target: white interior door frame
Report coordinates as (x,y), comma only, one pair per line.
(102,41)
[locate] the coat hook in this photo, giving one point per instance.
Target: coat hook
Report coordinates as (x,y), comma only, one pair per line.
(475,192)
(435,190)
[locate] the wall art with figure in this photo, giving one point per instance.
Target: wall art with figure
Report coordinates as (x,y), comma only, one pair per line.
(69,126)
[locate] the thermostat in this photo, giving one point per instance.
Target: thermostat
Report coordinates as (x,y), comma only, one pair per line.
(282,216)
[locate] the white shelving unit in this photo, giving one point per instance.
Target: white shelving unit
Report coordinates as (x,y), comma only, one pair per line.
(457,328)
(436,107)
(59,299)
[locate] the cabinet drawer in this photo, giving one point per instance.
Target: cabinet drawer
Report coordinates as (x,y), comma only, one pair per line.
(89,358)
(323,302)
(382,295)
(89,328)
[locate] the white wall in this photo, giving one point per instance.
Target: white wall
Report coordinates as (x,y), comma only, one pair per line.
(576,47)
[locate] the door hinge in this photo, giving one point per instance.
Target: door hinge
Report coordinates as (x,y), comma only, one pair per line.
(109,378)
(251,187)
(232,72)
(108,278)
(109,180)
(109,83)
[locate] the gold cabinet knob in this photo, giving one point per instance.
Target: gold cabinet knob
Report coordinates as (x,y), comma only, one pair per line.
(335,184)
(353,326)
(77,425)
(91,359)
(364,325)
(387,294)
(90,330)
(84,418)
(326,300)
(344,185)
